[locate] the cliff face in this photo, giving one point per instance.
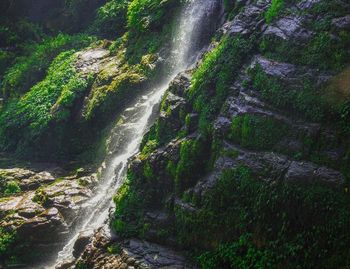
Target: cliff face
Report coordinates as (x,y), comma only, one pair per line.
(247,165)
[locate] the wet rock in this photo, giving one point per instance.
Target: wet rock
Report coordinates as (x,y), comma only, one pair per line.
(66,264)
(307,4)
(289,28)
(80,244)
(180,84)
(133,253)
(342,23)
(290,74)
(246,22)
(274,166)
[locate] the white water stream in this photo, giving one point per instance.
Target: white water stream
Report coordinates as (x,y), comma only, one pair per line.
(126,136)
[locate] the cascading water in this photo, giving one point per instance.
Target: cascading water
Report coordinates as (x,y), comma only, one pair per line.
(126,136)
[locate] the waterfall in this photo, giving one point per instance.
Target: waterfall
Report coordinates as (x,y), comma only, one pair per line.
(127,134)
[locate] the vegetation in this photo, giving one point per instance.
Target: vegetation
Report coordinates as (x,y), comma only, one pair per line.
(24,123)
(257,132)
(111,19)
(285,225)
(212,80)
(31,67)
(7,247)
(274,10)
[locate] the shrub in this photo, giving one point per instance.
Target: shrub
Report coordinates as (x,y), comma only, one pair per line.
(111,19)
(6,241)
(12,188)
(144,15)
(24,122)
(29,69)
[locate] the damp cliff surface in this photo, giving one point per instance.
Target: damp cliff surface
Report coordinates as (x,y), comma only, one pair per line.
(246,161)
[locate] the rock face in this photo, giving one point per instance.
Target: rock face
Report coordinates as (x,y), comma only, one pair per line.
(286,159)
(46,207)
(104,252)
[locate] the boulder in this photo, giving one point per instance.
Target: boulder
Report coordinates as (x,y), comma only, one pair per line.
(83,240)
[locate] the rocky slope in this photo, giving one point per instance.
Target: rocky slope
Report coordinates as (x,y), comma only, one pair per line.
(252,145)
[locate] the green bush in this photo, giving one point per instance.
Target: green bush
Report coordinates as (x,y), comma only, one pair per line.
(194,156)
(129,209)
(12,188)
(111,19)
(24,122)
(145,15)
(32,67)
(6,241)
(240,254)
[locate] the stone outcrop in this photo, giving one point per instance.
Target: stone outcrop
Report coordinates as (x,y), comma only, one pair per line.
(46,207)
(105,252)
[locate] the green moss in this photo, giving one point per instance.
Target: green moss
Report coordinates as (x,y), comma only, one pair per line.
(212,79)
(323,51)
(32,67)
(257,132)
(274,10)
(104,98)
(25,121)
(129,209)
(280,225)
(306,101)
(194,156)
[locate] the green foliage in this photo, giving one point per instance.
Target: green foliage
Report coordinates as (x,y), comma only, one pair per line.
(128,210)
(326,52)
(151,24)
(111,19)
(24,122)
(150,146)
(30,68)
(323,51)
(6,242)
(81,265)
(41,197)
(240,254)
(148,171)
(280,224)
(144,15)
(306,101)
(257,132)
(192,163)
(274,10)
(6,58)
(114,249)
(12,188)
(212,79)
(14,34)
